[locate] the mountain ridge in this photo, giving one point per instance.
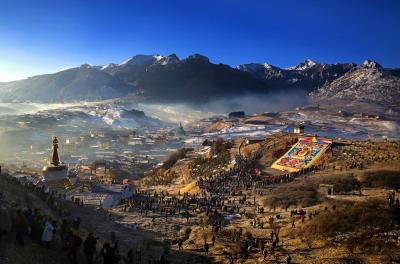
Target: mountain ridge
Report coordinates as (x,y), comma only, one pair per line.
(193,79)
(368,83)
(308,75)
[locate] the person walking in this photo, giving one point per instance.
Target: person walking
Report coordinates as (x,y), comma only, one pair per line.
(74,243)
(265,253)
(48,232)
(288,259)
(180,242)
(206,247)
(20,226)
(89,247)
(108,254)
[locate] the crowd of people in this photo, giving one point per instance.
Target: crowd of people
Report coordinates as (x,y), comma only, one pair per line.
(392,200)
(243,176)
(220,193)
(58,229)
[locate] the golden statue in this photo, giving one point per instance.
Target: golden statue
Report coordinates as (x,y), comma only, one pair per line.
(56,160)
(56,170)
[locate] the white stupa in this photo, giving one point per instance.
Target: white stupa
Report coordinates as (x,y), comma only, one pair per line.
(56,170)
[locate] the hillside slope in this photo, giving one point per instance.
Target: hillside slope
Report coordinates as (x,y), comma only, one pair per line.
(80,83)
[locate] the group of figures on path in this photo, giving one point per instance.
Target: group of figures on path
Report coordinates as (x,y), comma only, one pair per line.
(60,232)
(392,200)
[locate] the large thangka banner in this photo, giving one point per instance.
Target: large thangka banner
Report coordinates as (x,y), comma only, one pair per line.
(303,154)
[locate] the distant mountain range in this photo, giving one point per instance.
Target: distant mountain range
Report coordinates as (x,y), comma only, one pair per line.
(308,75)
(195,79)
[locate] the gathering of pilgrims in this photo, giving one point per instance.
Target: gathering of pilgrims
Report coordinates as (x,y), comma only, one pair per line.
(219,194)
(222,192)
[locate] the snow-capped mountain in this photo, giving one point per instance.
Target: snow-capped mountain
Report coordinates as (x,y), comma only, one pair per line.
(170,59)
(109,65)
(142,60)
(369,83)
(256,67)
(307,64)
(308,75)
(195,80)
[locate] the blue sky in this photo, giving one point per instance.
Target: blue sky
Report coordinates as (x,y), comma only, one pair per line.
(39,36)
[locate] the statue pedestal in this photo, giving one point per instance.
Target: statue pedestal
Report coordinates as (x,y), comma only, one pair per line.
(53,172)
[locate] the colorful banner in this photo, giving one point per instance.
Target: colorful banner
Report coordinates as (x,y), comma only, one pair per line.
(303,154)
